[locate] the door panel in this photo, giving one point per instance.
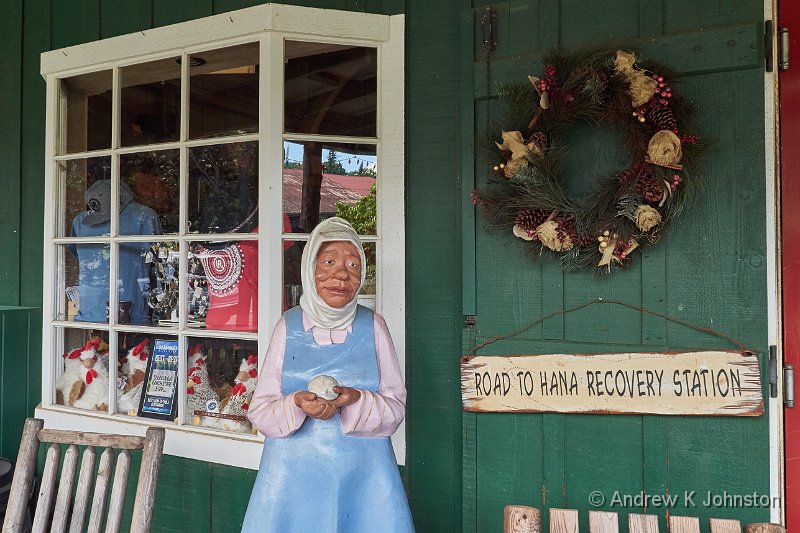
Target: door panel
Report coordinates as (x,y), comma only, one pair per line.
(789,16)
(710,269)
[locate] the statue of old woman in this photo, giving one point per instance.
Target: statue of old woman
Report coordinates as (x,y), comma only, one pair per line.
(328,464)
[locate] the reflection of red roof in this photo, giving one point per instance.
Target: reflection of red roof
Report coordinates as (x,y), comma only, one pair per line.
(335,188)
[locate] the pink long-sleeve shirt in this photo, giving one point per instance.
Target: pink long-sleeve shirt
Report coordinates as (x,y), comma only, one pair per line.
(375,414)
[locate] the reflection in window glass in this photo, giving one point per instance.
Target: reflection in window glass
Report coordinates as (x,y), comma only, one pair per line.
(223,374)
(321,180)
(153,179)
(83,371)
(223,188)
(87,99)
(150,98)
(83,271)
(223,92)
(330,89)
(78,175)
(224,285)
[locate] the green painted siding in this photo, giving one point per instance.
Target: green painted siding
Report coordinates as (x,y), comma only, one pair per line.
(463,468)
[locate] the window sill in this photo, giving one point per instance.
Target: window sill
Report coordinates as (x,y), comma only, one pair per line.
(203,444)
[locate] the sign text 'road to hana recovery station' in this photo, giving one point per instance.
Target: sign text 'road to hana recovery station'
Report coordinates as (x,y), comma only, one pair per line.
(689,383)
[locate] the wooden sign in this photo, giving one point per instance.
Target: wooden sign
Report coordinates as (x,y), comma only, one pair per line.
(689,383)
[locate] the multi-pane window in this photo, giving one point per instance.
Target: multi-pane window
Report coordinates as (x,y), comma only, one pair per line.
(185,183)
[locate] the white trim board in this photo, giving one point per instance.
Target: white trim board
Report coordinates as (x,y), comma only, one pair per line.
(241,24)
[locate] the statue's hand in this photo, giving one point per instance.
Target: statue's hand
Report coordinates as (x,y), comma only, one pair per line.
(347,396)
(313,406)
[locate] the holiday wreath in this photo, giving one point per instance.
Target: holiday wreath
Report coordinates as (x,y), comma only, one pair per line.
(625,211)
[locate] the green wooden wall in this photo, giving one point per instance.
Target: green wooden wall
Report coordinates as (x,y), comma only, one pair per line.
(462,469)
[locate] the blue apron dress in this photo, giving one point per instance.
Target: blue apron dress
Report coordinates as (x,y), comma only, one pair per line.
(319,479)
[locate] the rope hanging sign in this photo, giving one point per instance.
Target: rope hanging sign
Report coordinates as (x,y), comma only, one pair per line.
(720,383)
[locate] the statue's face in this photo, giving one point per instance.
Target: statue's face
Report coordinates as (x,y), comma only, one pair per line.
(337,274)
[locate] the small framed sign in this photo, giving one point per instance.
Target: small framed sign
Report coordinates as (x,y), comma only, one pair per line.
(159,396)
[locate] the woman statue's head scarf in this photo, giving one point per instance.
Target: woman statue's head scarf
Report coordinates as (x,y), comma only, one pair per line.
(321,314)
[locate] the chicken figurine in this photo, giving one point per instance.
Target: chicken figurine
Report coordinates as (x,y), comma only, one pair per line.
(128,401)
(234,414)
(94,376)
(69,385)
(200,395)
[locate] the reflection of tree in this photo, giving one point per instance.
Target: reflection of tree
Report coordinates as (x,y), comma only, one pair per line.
(155,179)
(223,192)
(332,165)
(362,215)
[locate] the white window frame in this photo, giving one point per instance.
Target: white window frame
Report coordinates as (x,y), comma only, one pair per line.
(270,25)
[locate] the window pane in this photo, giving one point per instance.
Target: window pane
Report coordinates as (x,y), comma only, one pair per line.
(87,120)
(150,98)
(158,384)
(76,217)
(330,89)
(223,188)
(223,92)
(148,283)
(83,274)
(223,374)
(151,192)
(292,283)
(82,373)
(323,180)
(224,285)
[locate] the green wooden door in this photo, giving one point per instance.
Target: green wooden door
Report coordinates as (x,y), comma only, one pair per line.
(710,269)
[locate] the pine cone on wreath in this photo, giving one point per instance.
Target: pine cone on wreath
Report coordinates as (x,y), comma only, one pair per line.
(539,139)
(662,118)
(637,171)
(529,219)
(650,189)
(566,229)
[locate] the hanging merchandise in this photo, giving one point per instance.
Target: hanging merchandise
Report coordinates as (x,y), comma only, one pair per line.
(626,211)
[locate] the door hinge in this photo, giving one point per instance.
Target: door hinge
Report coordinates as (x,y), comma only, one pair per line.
(783,48)
(788,386)
(489,26)
(788,379)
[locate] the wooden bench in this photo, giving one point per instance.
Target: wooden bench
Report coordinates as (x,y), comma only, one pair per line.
(523,519)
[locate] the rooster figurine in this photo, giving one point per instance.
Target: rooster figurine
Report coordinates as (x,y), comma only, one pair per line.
(235,411)
(198,389)
(69,385)
(128,402)
(94,376)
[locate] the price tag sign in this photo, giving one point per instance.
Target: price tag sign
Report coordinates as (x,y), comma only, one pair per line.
(160,384)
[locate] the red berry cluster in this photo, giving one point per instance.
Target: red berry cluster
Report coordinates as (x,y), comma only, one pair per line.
(662,89)
(676,180)
(689,139)
(548,81)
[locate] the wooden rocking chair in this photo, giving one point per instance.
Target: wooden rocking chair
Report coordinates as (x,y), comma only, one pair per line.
(62,520)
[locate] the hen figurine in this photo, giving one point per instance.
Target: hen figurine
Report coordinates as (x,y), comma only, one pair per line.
(69,385)
(235,411)
(128,402)
(198,389)
(94,376)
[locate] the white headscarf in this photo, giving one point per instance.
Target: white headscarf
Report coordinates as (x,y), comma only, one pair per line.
(321,314)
